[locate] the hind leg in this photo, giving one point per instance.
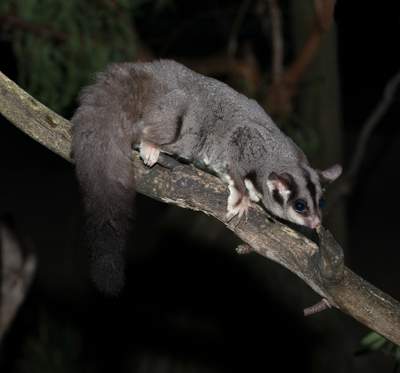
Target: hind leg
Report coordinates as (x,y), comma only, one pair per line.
(154,135)
(161,126)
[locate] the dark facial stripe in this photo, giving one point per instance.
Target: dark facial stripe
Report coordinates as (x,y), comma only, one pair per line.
(311,188)
(252,176)
(288,180)
(292,186)
(277,197)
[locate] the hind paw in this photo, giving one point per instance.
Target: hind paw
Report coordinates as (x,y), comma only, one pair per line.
(149,153)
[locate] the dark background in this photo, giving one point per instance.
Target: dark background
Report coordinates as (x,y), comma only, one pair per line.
(191,304)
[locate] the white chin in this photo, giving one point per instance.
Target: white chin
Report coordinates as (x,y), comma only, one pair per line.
(296,218)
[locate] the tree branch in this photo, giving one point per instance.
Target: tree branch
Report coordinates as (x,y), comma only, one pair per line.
(346,182)
(11,21)
(321,24)
(321,267)
(322,305)
(285,83)
(237,23)
(372,121)
(277,41)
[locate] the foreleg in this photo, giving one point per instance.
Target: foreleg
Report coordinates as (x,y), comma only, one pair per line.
(238,200)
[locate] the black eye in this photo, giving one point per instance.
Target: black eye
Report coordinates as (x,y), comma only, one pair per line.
(321,203)
(300,205)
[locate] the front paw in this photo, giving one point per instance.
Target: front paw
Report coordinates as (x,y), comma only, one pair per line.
(240,208)
(149,153)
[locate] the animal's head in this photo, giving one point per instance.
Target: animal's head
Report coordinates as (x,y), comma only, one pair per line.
(297,196)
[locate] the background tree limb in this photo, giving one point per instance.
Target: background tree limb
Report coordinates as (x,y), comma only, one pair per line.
(320,266)
(346,183)
(372,121)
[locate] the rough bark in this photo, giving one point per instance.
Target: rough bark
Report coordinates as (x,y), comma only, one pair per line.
(320,266)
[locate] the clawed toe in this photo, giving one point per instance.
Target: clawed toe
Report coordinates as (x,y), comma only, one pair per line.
(240,209)
(149,153)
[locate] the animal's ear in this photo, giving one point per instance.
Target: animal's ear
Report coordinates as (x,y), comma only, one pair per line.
(330,174)
(280,182)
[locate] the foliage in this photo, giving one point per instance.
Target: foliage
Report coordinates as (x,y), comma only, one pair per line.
(374,342)
(59,44)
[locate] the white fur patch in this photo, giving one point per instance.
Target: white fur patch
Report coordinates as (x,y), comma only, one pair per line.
(254,194)
(149,153)
(238,204)
(227,179)
(234,194)
(294,217)
(283,191)
(234,197)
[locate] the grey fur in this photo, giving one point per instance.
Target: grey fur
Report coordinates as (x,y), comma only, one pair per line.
(182,113)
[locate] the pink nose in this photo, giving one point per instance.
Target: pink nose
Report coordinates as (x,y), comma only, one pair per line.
(315,223)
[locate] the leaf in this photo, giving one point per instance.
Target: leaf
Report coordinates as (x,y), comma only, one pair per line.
(371,338)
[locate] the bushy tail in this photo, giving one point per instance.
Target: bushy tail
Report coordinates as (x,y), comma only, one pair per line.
(102,152)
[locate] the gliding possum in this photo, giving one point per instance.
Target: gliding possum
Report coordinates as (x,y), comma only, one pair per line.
(163,106)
